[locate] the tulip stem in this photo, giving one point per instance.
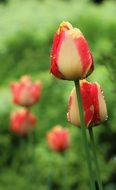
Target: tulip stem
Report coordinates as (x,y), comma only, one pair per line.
(95,158)
(64,171)
(84,135)
(50,174)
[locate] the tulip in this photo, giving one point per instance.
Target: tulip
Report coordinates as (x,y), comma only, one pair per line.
(22,122)
(58,139)
(94,106)
(25,92)
(71,58)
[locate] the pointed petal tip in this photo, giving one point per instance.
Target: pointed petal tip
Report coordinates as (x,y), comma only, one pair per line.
(64,26)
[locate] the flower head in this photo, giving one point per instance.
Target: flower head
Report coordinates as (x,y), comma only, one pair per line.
(58,139)
(94,106)
(22,122)
(25,92)
(71,58)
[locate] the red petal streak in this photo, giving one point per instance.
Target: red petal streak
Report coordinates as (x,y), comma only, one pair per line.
(85,54)
(54,54)
(88,116)
(89,92)
(86,94)
(94,94)
(87,101)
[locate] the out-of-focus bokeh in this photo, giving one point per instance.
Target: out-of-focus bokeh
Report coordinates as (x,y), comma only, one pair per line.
(26,32)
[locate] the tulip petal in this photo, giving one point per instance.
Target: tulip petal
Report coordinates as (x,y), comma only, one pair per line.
(54,66)
(101,105)
(73,112)
(89,115)
(85,56)
(68,58)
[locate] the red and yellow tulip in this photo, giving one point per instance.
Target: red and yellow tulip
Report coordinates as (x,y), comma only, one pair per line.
(94,106)
(71,58)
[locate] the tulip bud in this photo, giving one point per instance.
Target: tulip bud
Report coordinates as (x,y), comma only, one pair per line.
(94,106)
(58,139)
(22,122)
(25,92)
(71,58)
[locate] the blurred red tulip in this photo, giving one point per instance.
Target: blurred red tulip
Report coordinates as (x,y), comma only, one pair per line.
(25,92)
(95,111)
(22,122)
(71,58)
(58,139)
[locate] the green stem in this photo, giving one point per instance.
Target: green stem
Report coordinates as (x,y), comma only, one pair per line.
(33,175)
(95,158)
(84,135)
(64,174)
(22,149)
(50,175)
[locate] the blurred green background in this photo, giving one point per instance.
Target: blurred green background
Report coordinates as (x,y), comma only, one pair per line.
(26,32)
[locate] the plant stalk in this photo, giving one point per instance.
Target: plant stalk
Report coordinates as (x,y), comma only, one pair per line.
(95,158)
(65,185)
(84,135)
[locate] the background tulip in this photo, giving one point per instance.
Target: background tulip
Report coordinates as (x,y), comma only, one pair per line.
(22,122)
(25,92)
(71,58)
(58,139)
(94,106)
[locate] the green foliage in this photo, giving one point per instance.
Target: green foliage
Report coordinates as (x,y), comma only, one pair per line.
(26,36)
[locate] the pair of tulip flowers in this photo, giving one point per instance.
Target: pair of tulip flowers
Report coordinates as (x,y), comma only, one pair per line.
(71,59)
(25,93)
